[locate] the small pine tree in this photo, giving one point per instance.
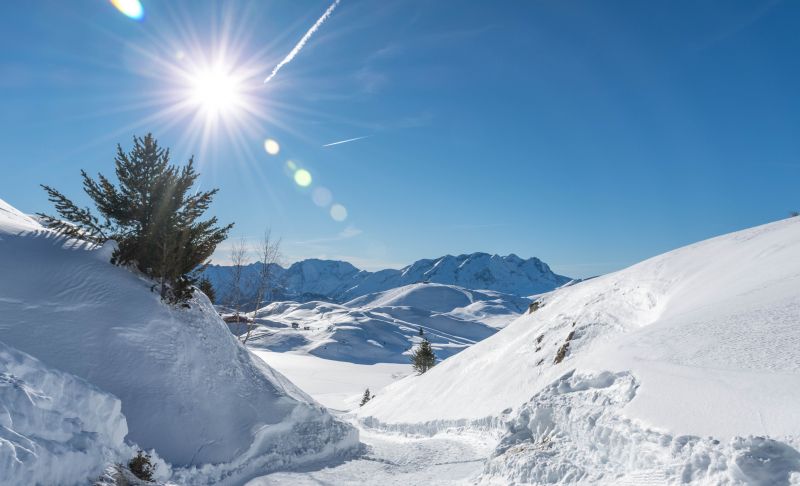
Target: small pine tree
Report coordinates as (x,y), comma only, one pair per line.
(421,332)
(423,359)
(367,397)
(207,288)
(142,467)
(153,214)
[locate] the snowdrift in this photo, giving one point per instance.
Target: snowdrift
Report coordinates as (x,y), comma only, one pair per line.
(54,428)
(186,386)
(384,326)
(682,368)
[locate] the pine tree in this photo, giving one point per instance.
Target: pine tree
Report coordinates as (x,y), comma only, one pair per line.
(423,359)
(153,214)
(207,288)
(367,397)
(421,332)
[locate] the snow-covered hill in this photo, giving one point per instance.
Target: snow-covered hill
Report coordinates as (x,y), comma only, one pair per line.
(684,368)
(187,388)
(383,326)
(337,281)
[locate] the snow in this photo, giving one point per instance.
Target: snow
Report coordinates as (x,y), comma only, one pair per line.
(54,427)
(682,369)
(187,388)
(384,326)
(337,281)
(685,367)
(448,459)
(336,384)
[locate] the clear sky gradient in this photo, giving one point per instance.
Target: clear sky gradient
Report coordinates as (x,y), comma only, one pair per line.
(589,134)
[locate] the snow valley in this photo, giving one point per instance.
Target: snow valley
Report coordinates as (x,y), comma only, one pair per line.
(682,369)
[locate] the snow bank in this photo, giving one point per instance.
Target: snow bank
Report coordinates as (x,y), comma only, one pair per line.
(54,428)
(574,431)
(698,342)
(188,389)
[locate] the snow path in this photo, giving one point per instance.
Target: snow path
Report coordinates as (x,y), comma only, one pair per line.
(389,459)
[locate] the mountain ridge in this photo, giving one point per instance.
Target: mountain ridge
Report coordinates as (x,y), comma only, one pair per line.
(340,281)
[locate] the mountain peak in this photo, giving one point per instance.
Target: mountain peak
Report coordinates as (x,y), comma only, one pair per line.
(340,281)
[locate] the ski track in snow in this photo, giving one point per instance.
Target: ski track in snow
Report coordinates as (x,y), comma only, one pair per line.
(393,459)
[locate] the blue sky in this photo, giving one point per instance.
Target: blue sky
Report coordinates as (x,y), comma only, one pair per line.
(589,134)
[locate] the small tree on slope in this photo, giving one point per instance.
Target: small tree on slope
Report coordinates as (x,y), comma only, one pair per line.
(423,359)
(207,288)
(367,397)
(153,214)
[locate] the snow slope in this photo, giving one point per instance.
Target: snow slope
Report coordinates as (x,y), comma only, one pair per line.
(54,428)
(336,384)
(188,389)
(384,326)
(682,368)
(338,281)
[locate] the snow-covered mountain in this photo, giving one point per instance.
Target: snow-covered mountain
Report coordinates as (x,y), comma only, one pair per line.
(339,281)
(684,368)
(382,327)
(86,348)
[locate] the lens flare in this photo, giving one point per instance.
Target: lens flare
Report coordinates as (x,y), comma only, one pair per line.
(321,197)
(338,212)
(271,146)
(302,177)
(215,91)
(131,8)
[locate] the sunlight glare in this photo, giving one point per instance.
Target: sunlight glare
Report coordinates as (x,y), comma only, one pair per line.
(322,196)
(302,177)
(131,8)
(271,146)
(215,91)
(338,212)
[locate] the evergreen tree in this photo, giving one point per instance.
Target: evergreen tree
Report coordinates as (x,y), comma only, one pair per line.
(423,359)
(153,214)
(421,332)
(208,289)
(367,397)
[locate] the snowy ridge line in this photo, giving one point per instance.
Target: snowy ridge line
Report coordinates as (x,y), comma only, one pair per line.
(341,282)
(431,428)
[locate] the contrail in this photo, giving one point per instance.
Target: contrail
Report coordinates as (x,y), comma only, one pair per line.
(302,43)
(345,141)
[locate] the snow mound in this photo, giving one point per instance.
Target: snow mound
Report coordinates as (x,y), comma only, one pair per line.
(188,389)
(702,341)
(573,431)
(54,428)
(384,326)
(433,297)
(14,221)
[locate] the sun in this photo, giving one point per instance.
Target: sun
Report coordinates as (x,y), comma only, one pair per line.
(216,91)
